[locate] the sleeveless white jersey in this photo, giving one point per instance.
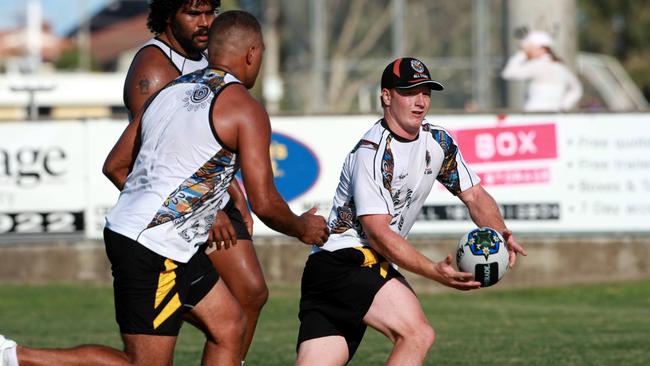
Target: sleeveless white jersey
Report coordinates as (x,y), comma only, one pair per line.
(182,171)
(386,174)
(183,64)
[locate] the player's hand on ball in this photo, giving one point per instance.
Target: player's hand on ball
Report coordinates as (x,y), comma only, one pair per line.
(314,228)
(450,277)
(513,248)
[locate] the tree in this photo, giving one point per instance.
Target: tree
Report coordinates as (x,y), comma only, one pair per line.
(618,28)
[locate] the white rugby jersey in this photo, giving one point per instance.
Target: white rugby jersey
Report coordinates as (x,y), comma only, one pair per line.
(386,174)
(182,170)
(183,64)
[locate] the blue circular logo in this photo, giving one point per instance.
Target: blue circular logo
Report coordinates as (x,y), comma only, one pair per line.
(295,166)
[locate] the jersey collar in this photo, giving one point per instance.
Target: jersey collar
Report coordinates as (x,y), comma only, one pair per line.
(396,136)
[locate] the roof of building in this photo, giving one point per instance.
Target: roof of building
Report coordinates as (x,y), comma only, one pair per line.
(115,12)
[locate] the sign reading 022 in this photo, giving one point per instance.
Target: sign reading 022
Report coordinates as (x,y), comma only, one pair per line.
(41,222)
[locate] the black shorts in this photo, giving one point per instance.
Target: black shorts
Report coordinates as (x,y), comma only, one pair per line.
(337,290)
(153,292)
(237,221)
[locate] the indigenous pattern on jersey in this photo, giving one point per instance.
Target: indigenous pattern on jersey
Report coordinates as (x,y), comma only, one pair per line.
(387,164)
(193,193)
(386,174)
(448,175)
(183,64)
(182,172)
(346,218)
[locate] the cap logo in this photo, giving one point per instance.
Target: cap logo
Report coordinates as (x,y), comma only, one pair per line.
(396,67)
(417,66)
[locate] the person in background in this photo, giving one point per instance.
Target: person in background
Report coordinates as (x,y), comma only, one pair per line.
(552,87)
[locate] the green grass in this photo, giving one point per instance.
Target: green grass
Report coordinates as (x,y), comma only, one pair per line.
(606,324)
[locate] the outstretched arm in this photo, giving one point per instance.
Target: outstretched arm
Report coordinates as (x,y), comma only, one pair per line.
(484,211)
(399,251)
(243,124)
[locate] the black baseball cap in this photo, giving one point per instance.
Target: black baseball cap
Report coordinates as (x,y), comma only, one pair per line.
(407,72)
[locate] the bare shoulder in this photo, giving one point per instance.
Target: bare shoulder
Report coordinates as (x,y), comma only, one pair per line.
(150,62)
(240,119)
(238,105)
(149,72)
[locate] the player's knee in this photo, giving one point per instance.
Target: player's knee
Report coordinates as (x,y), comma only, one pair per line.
(261,295)
(237,326)
(420,336)
(428,335)
(425,337)
(230,329)
(255,297)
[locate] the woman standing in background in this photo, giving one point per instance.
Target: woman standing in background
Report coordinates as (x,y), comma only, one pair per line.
(552,86)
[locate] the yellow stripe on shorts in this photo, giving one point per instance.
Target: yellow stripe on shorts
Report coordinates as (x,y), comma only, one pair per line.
(370,259)
(167,311)
(166,282)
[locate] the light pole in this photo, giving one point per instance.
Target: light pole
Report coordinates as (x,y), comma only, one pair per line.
(34,35)
(31,102)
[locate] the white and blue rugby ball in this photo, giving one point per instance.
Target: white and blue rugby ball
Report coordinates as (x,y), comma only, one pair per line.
(484,253)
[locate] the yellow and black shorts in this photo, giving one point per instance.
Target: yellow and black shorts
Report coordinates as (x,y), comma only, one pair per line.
(337,290)
(153,292)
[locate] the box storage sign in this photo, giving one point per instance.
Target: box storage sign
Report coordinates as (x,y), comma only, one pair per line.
(560,173)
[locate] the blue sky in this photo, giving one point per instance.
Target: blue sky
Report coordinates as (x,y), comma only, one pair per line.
(62,15)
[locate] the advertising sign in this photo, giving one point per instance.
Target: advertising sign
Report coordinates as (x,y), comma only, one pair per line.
(42,178)
(560,173)
(548,173)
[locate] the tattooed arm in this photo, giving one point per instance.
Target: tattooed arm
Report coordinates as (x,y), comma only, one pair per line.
(149,72)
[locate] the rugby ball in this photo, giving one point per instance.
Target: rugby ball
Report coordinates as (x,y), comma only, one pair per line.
(484,253)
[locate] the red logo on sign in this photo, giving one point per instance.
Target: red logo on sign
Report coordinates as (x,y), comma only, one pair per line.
(523,142)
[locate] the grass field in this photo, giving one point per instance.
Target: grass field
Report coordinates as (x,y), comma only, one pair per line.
(607,324)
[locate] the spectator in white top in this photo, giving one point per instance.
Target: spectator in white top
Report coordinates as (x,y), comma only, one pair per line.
(552,86)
